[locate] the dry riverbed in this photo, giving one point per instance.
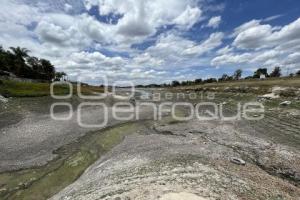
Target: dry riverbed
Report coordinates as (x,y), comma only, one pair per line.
(193,159)
(165,159)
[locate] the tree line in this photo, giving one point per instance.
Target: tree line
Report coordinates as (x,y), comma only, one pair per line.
(237,75)
(17,61)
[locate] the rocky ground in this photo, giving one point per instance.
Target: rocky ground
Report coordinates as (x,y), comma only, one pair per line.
(164,159)
(29,135)
(191,161)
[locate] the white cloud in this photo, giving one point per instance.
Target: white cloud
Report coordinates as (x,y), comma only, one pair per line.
(189,17)
(68,7)
(225,50)
(94,30)
(214,41)
(230,58)
(147,60)
(265,58)
(214,22)
(63,32)
(142,18)
(254,35)
(263,45)
(245,26)
(271,18)
(293,58)
(135,23)
(13,12)
(287,33)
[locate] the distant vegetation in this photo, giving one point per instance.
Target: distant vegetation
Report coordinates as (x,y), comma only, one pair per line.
(17,61)
(237,75)
(10,88)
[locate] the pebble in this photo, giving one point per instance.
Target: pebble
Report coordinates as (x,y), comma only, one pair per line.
(238,161)
(285,103)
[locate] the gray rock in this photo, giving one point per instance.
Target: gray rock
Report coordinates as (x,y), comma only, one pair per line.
(285,103)
(3,99)
(238,161)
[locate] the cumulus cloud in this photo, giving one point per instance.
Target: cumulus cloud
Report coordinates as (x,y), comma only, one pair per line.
(264,44)
(256,35)
(293,58)
(214,41)
(253,37)
(171,51)
(146,60)
(62,31)
(227,59)
(79,42)
(135,23)
(95,30)
(245,27)
(142,18)
(225,50)
(214,22)
(12,12)
(189,17)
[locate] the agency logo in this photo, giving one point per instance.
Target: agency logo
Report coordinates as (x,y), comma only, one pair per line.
(127,103)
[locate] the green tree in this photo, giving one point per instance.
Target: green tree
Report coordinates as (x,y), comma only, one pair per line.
(276,72)
(59,76)
(20,53)
(18,65)
(48,69)
(210,80)
(17,61)
(34,63)
(8,60)
(3,59)
(175,83)
(237,74)
(198,81)
(259,72)
(224,77)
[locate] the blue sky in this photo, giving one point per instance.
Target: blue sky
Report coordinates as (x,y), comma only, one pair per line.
(154,41)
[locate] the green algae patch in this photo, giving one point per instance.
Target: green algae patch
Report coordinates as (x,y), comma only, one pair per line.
(72,160)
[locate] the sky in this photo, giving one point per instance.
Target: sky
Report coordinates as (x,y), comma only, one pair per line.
(155,41)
